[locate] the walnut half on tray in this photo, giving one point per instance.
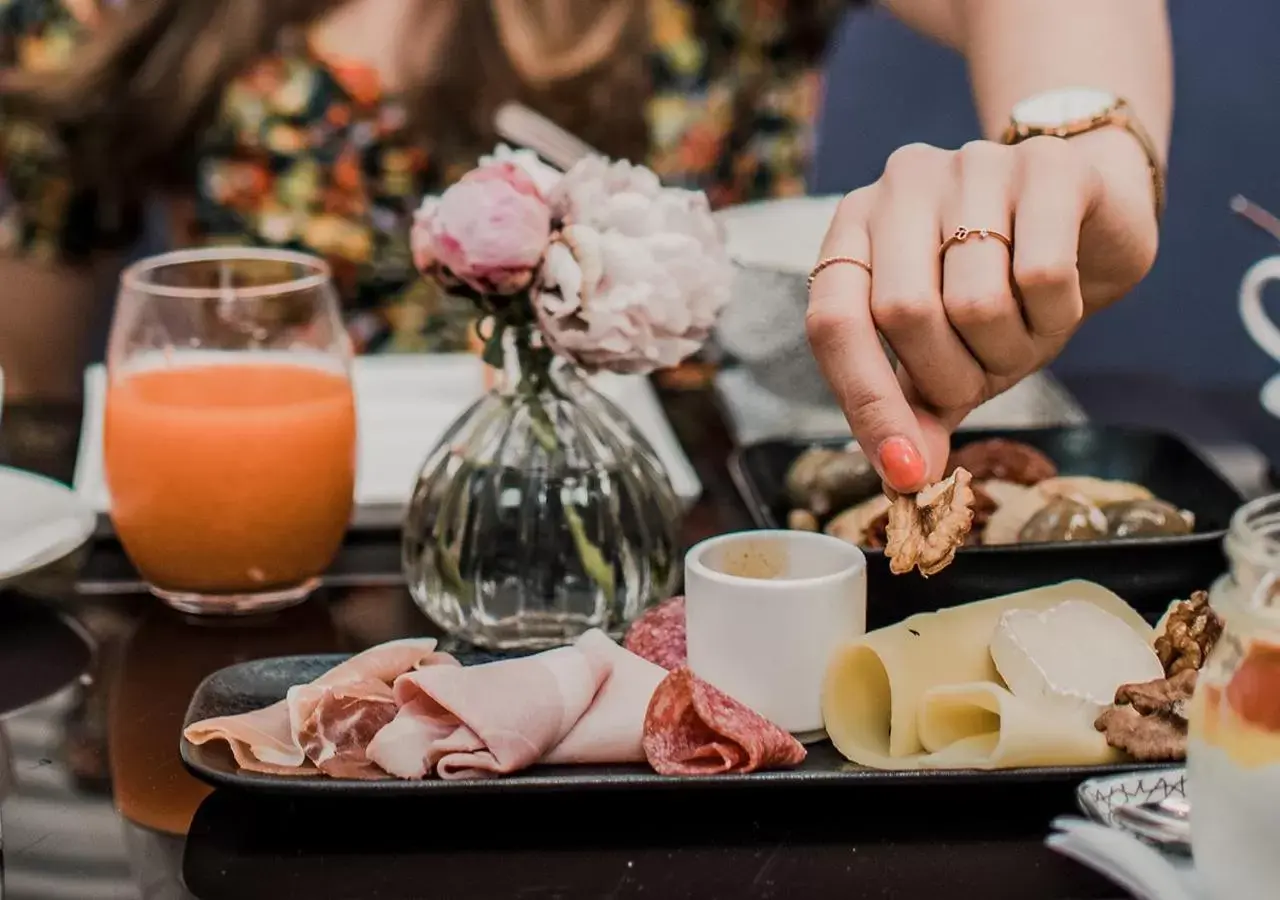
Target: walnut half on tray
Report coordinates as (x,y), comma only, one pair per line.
(927,528)
(1191,628)
(1149,720)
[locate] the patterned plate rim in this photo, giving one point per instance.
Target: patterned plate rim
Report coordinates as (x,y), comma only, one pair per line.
(1099,797)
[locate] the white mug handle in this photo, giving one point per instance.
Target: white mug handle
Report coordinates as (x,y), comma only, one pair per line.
(1264,332)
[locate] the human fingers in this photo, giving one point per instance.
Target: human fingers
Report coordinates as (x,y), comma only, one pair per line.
(848,351)
(1052,198)
(906,297)
(977,288)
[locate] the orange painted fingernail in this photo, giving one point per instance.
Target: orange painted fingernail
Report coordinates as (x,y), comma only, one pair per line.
(901,464)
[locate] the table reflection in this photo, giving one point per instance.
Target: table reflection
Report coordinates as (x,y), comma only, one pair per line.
(94,800)
(673,845)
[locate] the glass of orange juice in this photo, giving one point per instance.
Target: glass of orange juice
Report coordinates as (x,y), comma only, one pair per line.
(230,433)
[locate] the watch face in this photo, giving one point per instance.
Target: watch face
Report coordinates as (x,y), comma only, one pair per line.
(1061,107)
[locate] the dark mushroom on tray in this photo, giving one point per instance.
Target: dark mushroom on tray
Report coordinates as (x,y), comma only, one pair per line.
(823,481)
(1019,497)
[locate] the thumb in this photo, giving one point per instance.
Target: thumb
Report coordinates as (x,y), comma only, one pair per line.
(935,429)
(935,444)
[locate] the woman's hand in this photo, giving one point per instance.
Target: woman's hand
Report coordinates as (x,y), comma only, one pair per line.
(971,322)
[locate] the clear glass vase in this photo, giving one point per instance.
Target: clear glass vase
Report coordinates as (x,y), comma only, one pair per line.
(542,513)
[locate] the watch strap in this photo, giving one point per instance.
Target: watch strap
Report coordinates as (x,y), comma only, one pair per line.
(1123,116)
(1119,115)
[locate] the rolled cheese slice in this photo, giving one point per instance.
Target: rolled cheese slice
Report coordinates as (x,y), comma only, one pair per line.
(874,687)
(984,726)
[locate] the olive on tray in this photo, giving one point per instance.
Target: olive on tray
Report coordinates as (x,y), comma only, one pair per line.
(1065,519)
(1147,518)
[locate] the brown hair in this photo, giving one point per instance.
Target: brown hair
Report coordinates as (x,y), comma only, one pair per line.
(580,62)
(138,94)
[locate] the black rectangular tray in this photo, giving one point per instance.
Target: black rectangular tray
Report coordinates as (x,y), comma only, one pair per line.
(1147,572)
(252,685)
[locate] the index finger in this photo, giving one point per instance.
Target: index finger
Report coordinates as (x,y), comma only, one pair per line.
(847,347)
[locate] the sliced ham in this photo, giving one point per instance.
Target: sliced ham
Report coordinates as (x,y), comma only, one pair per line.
(492,719)
(612,729)
(269,740)
(692,728)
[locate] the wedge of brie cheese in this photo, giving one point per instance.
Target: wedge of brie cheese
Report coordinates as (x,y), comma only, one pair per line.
(1071,658)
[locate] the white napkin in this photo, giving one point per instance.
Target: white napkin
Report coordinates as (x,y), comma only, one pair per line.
(1137,867)
(756,414)
(404,403)
(784,235)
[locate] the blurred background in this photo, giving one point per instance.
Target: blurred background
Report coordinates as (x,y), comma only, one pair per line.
(887,86)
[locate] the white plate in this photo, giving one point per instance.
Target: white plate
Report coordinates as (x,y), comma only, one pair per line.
(1099,797)
(41,521)
(404,403)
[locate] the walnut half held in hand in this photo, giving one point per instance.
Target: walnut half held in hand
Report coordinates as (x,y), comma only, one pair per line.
(927,528)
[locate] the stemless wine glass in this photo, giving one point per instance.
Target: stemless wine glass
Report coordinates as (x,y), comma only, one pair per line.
(230,433)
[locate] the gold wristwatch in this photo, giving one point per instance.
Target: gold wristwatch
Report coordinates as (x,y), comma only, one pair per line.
(1067,112)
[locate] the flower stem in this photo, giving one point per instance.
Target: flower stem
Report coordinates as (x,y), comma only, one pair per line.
(535,378)
(593,561)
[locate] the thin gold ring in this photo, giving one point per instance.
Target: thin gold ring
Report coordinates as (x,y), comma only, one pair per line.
(833,260)
(960,235)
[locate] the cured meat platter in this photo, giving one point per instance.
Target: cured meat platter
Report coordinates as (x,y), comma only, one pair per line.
(252,685)
(1146,570)
(1050,684)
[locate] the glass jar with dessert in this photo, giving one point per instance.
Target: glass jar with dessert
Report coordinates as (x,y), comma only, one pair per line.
(1233,751)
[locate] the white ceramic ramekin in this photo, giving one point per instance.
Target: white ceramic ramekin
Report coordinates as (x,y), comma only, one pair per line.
(765,610)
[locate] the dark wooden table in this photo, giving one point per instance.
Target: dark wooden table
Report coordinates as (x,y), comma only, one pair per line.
(97,805)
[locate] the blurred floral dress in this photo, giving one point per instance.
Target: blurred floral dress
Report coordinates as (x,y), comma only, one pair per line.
(308,153)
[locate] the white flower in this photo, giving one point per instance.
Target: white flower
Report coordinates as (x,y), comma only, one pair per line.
(637,275)
(544,176)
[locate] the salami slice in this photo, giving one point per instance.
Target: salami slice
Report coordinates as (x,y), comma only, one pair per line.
(658,635)
(691,728)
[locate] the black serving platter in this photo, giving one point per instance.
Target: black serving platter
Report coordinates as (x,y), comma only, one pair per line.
(252,685)
(1147,572)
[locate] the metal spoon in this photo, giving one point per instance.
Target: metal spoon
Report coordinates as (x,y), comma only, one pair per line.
(1165,823)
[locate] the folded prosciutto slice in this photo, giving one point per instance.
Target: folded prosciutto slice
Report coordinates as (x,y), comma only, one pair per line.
(692,728)
(338,721)
(579,704)
(325,725)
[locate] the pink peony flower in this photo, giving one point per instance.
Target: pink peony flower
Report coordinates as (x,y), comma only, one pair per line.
(636,278)
(490,230)
(544,176)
